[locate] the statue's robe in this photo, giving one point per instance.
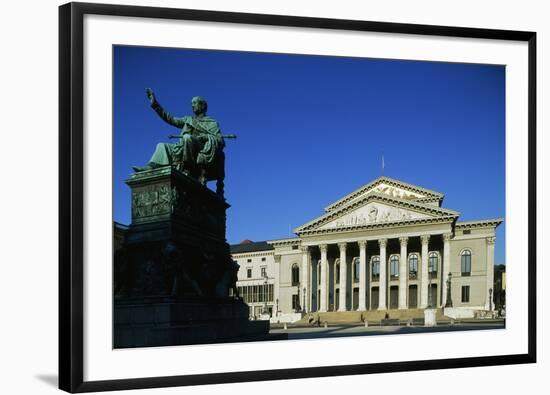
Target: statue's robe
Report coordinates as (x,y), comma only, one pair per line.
(201,143)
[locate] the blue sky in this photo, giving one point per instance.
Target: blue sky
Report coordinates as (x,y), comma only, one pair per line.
(314,128)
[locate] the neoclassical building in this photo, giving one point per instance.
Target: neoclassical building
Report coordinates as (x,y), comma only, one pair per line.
(387,245)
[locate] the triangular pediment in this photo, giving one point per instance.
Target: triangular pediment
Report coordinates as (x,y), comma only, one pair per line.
(392,188)
(375,208)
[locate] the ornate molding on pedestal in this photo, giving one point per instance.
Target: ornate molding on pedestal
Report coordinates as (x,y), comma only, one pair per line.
(425,239)
(342,246)
(304,249)
(403,240)
(362,243)
(323,247)
(277,258)
(491,240)
(447,236)
(382,243)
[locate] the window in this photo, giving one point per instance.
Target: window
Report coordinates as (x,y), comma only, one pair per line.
(394,266)
(294,247)
(466,232)
(249,260)
(249,272)
(295,274)
(413,266)
(466,262)
(264,271)
(263,259)
(465,294)
(270,293)
(295,302)
(433,262)
(375,268)
(356,270)
(261,293)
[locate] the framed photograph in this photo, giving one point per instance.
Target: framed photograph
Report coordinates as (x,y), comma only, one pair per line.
(264,197)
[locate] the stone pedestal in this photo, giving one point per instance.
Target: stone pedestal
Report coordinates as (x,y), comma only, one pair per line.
(174,279)
(429,317)
(147,322)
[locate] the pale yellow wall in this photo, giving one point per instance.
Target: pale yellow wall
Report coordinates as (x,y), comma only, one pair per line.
(477,244)
(286,290)
(256,264)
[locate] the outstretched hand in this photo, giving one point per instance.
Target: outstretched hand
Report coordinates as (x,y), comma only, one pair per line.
(150,95)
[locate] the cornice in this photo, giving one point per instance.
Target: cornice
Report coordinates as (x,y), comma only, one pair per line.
(483,223)
(252,254)
(285,242)
(380,225)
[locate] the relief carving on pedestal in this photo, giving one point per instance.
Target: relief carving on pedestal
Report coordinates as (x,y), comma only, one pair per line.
(156,200)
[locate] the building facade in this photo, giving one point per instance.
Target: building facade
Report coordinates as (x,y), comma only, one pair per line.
(388,245)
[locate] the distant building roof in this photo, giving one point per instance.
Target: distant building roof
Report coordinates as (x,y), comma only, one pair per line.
(251,246)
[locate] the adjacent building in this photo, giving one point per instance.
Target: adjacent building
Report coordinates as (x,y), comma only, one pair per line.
(387,245)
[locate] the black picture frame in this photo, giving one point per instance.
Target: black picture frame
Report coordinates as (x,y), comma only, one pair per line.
(71,195)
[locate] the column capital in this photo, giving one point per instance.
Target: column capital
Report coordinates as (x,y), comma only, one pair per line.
(277,258)
(323,247)
(304,249)
(403,240)
(447,236)
(362,243)
(425,239)
(491,240)
(342,246)
(382,242)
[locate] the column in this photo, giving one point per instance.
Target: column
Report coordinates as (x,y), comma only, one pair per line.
(489,305)
(343,277)
(312,285)
(362,274)
(424,272)
(446,266)
(403,273)
(382,282)
(276,294)
(304,279)
(324,293)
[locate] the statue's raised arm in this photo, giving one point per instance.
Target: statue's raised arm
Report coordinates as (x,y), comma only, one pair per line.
(165,115)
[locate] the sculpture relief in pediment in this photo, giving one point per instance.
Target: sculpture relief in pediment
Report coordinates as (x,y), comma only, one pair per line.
(396,192)
(373,213)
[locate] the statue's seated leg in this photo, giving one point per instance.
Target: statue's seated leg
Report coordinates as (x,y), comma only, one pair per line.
(163,156)
(187,155)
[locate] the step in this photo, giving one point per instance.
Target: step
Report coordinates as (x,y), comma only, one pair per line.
(336,317)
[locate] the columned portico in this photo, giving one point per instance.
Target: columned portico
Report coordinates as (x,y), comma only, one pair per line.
(403,273)
(446,266)
(362,274)
(324,278)
(383,284)
(343,277)
(424,239)
(304,278)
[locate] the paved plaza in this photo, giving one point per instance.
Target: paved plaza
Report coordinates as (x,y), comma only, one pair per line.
(346,330)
